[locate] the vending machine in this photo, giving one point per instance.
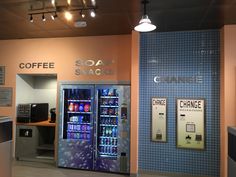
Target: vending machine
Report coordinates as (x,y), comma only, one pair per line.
(94,127)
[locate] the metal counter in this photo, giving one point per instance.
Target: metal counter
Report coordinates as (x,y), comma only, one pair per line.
(5,146)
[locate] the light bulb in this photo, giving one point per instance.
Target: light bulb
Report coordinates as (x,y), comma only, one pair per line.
(93,2)
(53,2)
(31,18)
(68,15)
(53,17)
(82,14)
(145,25)
(92,13)
(43,18)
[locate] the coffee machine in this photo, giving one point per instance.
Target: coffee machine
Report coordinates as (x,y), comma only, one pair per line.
(53,115)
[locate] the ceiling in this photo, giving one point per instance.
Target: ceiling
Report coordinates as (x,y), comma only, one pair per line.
(115,17)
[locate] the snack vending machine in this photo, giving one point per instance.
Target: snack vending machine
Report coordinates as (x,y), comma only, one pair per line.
(94,127)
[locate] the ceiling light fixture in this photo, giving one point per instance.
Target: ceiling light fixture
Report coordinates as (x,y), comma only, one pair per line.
(53,2)
(68,15)
(93,2)
(31,18)
(68,8)
(53,17)
(82,14)
(145,24)
(92,13)
(69,2)
(43,17)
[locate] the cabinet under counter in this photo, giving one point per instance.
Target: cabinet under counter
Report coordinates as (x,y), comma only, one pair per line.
(35,141)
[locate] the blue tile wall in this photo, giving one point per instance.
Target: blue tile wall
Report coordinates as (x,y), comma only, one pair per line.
(187,53)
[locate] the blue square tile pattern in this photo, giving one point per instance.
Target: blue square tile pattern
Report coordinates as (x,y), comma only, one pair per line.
(185,53)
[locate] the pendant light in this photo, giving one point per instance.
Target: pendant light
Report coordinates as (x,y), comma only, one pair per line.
(145,24)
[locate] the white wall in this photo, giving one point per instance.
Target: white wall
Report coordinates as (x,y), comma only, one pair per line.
(36,89)
(24,89)
(45,90)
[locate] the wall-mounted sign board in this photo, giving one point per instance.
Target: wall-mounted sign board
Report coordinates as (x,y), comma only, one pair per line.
(2,75)
(159,119)
(5,96)
(190,123)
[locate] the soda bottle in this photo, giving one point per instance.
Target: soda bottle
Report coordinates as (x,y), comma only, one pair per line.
(101,141)
(81,107)
(104,141)
(116,102)
(110,131)
(88,136)
(88,128)
(107,131)
(116,111)
(110,92)
(86,108)
(110,101)
(77,135)
(116,131)
(81,136)
(108,149)
(76,107)
(112,141)
(103,131)
(113,132)
(71,107)
(81,119)
(102,149)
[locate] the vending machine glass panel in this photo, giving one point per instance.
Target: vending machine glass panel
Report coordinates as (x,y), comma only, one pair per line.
(77,114)
(108,106)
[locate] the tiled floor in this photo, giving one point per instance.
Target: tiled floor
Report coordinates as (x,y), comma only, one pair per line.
(35,169)
(32,169)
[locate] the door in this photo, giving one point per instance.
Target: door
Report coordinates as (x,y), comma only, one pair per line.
(112,136)
(75,145)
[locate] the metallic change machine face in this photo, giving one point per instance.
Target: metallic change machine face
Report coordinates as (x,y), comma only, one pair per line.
(5,146)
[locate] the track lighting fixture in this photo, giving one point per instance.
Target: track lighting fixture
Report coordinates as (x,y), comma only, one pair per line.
(92,13)
(93,2)
(145,24)
(43,17)
(53,17)
(53,2)
(69,2)
(52,7)
(31,18)
(82,14)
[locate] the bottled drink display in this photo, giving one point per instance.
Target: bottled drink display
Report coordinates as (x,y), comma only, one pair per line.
(108,122)
(94,125)
(77,114)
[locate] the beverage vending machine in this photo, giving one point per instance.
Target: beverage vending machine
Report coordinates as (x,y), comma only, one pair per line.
(94,127)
